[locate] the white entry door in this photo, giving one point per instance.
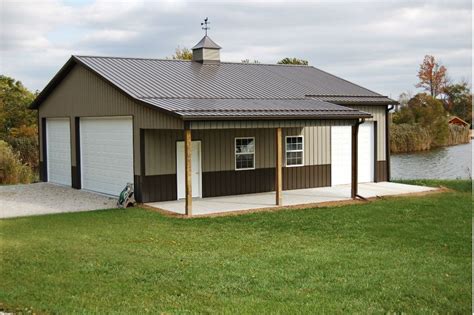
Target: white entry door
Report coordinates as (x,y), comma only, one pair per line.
(341,158)
(106,154)
(341,154)
(365,156)
(195,169)
(58,150)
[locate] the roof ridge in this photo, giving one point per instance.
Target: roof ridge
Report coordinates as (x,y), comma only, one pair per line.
(132,58)
(184,60)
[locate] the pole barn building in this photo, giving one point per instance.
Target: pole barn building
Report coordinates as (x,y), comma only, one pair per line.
(201,128)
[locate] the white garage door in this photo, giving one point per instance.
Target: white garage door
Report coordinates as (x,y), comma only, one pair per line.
(366,153)
(341,154)
(106,154)
(58,152)
(341,160)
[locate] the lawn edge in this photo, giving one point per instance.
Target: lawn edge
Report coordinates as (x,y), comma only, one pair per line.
(325,204)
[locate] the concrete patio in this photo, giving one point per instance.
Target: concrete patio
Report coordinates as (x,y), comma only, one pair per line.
(216,205)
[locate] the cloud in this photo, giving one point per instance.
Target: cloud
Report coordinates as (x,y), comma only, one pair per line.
(376,44)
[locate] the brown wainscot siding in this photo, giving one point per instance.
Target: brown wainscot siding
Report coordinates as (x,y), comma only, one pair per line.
(158,188)
(225,183)
(309,176)
(381,171)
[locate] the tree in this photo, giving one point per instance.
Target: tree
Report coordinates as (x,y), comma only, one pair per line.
(14,102)
(182,54)
(431,115)
(432,76)
(292,61)
(18,126)
(403,99)
(249,61)
(458,100)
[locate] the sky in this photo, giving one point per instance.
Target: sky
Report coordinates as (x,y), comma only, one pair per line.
(377,44)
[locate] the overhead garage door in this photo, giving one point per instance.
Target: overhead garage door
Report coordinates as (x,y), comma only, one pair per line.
(106,154)
(341,154)
(58,152)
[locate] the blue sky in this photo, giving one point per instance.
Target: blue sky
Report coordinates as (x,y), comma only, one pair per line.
(376,44)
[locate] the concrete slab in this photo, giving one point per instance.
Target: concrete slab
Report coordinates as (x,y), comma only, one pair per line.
(215,205)
(45,198)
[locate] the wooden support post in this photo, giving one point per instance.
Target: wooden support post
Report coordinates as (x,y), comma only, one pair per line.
(355,132)
(278,165)
(188,171)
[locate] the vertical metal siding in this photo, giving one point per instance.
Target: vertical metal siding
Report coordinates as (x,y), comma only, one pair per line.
(82,94)
(218,147)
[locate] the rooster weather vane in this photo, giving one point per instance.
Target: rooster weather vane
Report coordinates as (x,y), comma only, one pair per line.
(205,25)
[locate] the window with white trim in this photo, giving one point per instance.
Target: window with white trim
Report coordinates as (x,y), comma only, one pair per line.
(245,153)
(294,150)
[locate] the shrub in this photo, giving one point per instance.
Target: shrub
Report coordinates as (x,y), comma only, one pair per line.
(24,140)
(12,171)
(457,134)
(407,138)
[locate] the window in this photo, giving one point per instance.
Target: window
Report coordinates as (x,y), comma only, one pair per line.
(244,153)
(294,151)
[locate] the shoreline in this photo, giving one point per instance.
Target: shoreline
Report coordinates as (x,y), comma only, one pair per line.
(431,149)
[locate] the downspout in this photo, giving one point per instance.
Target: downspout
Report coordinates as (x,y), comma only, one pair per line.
(387,138)
(355,162)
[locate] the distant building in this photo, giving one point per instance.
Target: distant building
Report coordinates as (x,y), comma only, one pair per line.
(455,120)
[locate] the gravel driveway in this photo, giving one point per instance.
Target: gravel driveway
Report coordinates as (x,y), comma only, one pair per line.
(44,198)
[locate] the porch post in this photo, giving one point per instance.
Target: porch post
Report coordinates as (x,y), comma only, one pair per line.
(188,171)
(278,170)
(355,131)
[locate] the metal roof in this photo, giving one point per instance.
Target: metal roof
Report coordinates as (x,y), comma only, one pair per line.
(158,78)
(255,108)
(191,89)
(356,100)
(206,42)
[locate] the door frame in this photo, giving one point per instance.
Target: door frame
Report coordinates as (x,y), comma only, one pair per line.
(200,168)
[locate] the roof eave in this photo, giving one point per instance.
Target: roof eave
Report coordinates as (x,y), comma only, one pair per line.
(388,102)
(275,117)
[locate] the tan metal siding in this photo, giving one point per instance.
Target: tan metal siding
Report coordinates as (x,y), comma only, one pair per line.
(82,94)
(317,150)
(378,113)
(218,148)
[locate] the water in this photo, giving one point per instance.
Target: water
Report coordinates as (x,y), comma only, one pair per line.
(443,163)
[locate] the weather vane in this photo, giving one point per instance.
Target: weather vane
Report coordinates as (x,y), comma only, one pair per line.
(206,25)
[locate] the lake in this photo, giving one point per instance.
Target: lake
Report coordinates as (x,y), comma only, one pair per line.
(442,163)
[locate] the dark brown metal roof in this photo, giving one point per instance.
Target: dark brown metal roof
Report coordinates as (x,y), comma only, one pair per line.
(157,78)
(356,100)
(256,108)
(191,89)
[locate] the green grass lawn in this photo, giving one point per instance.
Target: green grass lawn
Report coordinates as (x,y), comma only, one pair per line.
(407,254)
